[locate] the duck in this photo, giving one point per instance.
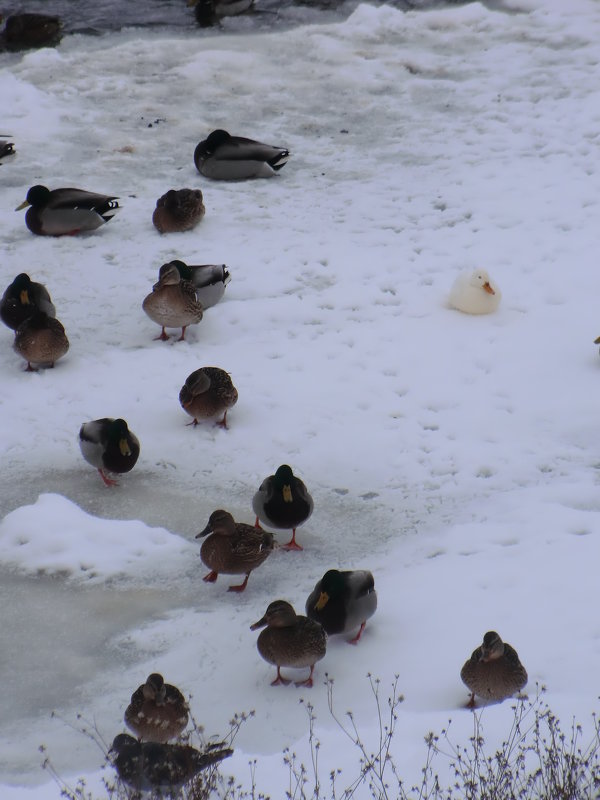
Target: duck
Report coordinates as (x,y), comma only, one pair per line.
(494,671)
(24,31)
(209,280)
(40,339)
(343,601)
(157,711)
(208,12)
(66,212)
(155,767)
(234,158)
(474,293)
(173,302)
(283,501)
(22,298)
(178,210)
(110,446)
(289,640)
(233,548)
(208,392)
(6,148)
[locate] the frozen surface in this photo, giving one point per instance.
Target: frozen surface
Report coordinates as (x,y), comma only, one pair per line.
(454,456)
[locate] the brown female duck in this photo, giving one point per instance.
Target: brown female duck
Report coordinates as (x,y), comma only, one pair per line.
(233,548)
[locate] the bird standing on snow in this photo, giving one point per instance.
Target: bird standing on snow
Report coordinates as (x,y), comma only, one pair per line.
(65,212)
(157,711)
(173,302)
(109,445)
(474,293)
(209,280)
(40,339)
(494,671)
(178,210)
(343,601)
(233,548)
(289,640)
(153,767)
(206,393)
(22,299)
(283,501)
(233,158)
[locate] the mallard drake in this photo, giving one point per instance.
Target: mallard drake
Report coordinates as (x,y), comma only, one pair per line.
(289,640)
(150,766)
(22,298)
(343,601)
(282,501)
(206,393)
(178,210)
(474,293)
(208,12)
(494,671)
(209,280)
(40,339)
(65,212)
(233,548)
(6,148)
(173,302)
(109,445)
(157,711)
(23,31)
(233,158)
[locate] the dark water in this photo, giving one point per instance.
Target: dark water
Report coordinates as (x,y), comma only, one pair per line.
(98,16)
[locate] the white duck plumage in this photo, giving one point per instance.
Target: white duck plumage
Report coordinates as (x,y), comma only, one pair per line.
(474,293)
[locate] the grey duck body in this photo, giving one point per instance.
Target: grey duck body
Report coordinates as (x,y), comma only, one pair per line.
(68,211)
(343,601)
(234,158)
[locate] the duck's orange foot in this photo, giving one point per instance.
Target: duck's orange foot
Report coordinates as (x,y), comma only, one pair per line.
(211,577)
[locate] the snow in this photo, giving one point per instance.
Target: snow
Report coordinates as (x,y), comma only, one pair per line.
(454,456)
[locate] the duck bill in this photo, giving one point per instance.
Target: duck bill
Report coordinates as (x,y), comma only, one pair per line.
(204,532)
(322,601)
(24,298)
(287,494)
(487,288)
(260,624)
(23,205)
(124,447)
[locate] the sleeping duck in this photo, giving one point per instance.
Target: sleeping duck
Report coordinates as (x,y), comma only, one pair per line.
(110,446)
(22,298)
(233,158)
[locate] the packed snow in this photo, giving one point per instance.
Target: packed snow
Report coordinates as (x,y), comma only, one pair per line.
(453,455)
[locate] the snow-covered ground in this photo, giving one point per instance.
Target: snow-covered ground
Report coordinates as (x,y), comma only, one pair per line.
(455,456)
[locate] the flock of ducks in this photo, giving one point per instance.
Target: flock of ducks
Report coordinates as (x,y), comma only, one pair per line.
(342,600)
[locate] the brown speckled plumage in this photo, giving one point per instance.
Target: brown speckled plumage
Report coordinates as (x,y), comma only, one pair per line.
(157,711)
(172,303)
(290,640)
(494,670)
(206,393)
(233,548)
(41,340)
(178,210)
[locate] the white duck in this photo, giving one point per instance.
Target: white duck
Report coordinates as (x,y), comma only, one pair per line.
(474,293)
